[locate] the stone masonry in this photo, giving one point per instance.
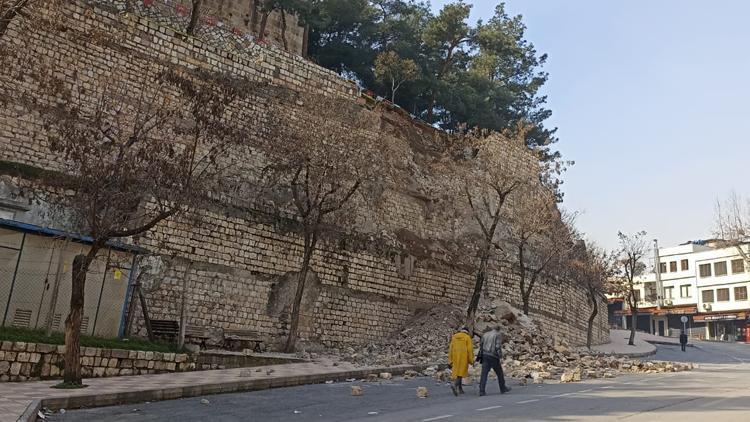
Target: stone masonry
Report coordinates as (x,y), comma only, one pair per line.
(21,361)
(243,263)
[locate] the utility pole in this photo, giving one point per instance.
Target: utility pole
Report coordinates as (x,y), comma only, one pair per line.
(657,272)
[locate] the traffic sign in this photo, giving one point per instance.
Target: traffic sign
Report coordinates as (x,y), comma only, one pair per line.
(684,319)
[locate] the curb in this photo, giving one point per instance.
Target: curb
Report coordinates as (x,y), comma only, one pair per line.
(171,393)
(666,343)
(31,411)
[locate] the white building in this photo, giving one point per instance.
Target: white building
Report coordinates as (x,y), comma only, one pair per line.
(705,281)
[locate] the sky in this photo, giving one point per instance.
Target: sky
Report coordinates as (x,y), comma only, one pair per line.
(651,102)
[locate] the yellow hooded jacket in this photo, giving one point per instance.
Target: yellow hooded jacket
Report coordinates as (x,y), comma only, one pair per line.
(460,354)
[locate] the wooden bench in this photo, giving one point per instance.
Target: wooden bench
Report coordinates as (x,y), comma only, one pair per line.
(166,329)
(195,334)
(238,339)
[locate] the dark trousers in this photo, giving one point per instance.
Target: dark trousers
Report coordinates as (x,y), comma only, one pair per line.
(682,345)
(490,362)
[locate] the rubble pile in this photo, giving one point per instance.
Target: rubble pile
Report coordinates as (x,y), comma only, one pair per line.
(528,354)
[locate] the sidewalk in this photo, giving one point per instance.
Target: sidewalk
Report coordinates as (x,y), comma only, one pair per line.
(20,401)
(644,344)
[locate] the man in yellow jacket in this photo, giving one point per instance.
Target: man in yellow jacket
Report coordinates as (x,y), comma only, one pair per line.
(460,356)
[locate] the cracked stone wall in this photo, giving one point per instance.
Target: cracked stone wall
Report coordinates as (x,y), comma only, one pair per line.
(243,263)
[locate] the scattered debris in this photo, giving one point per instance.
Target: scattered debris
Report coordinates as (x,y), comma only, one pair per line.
(422,392)
(528,353)
(372,413)
(386,375)
(297,412)
(356,390)
(329,382)
(205,401)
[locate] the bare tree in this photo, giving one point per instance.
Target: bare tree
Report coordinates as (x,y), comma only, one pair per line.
(591,267)
(135,153)
(541,238)
(195,15)
(629,266)
(487,176)
(322,154)
(733,223)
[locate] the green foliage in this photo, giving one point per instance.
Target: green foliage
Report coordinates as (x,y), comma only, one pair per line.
(484,75)
(39,336)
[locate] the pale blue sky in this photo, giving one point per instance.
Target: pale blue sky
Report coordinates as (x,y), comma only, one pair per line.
(650,98)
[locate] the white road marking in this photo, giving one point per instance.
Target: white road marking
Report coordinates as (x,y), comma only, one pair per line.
(607,386)
(585,391)
(489,408)
(437,418)
(563,395)
(527,401)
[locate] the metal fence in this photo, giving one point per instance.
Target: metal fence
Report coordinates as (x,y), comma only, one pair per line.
(35,283)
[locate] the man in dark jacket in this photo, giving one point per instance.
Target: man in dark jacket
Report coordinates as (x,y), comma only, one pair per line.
(491,352)
(683,340)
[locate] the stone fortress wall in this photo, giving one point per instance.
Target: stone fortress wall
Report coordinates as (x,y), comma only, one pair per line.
(242,271)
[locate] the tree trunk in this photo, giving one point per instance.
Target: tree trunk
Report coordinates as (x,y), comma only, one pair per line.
(283,30)
(592,317)
(310,241)
(10,14)
(55,290)
(481,277)
(263,23)
(633,323)
(183,312)
(195,14)
(81,264)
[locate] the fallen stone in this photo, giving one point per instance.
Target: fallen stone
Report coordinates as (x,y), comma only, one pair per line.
(422,392)
(356,390)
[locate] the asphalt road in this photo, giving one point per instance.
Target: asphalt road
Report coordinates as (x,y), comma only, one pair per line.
(719,390)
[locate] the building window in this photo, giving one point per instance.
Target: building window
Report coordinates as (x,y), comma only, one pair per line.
(740,293)
(684,266)
(720,268)
(673,267)
(704,270)
(650,290)
(668,292)
(707,296)
(685,290)
(738,266)
(662,267)
(722,295)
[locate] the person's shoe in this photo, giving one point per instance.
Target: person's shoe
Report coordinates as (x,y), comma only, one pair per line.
(460,390)
(505,390)
(482,393)
(455,392)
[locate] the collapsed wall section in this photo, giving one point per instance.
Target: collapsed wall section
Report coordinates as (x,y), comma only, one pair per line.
(241,262)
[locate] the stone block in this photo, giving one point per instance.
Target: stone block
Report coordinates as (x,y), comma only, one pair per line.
(112,363)
(149,355)
(89,351)
(169,357)
(151,364)
(46,348)
(132,354)
(126,371)
(15,368)
(61,349)
(54,371)
(120,354)
(31,347)
(4,367)
(6,345)
(45,370)
(35,357)
(100,362)
(111,372)
(141,363)
(179,358)
(23,357)
(99,371)
(141,354)
(171,366)
(19,346)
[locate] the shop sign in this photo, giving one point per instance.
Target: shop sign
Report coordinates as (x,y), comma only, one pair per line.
(719,317)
